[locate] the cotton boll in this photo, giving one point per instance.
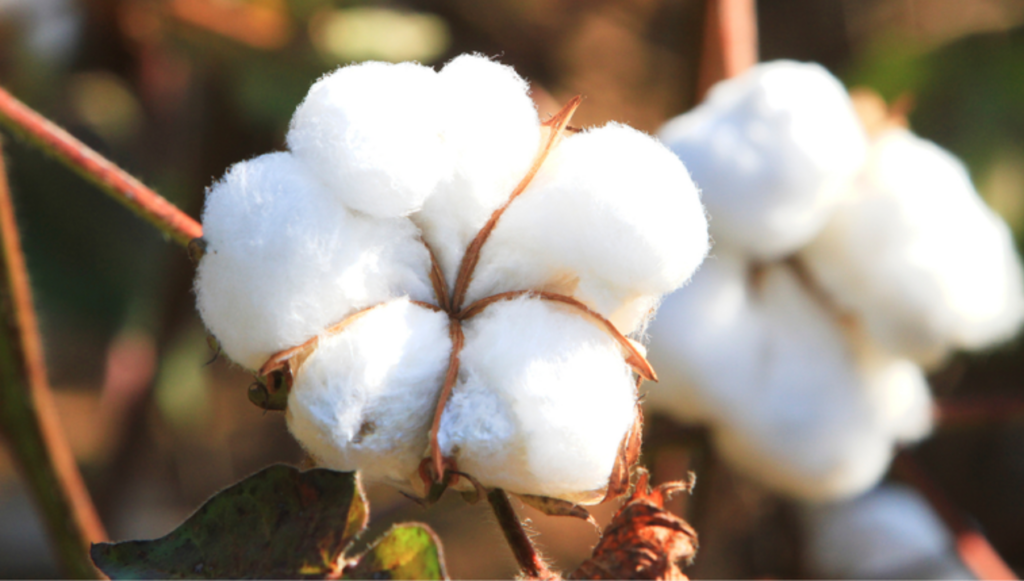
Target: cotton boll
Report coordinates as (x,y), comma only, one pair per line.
(888,533)
(492,129)
(772,151)
(918,256)
(611,219)
(364,400)
(543,401)
(286,260)
(372,132)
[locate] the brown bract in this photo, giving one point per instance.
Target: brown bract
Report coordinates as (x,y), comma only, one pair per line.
(643,540)
(288,361)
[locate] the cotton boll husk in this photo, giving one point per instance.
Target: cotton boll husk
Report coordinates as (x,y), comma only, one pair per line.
(772,151)
(888,533)
(492,129)
(372,132)
(612,219)
(790,402)
(286,260)
(917,255)
(364,400)
(542,403)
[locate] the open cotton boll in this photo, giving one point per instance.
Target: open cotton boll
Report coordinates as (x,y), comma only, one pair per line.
(492,130)
(888,533)
(772,151)
(285,260)
(612,219)
(542,403)
(365,398)
(788,400)
(372,132)
(917,255)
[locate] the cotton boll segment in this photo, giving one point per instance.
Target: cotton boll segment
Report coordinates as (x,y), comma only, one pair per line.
(492,130)
(772,151)
(888,533)
(611,219)
(918,256)
(372,132)
(542,403)
(286,260)
(365,398)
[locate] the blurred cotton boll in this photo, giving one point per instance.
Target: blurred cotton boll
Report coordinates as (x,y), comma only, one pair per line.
(917,256)
(888,533)
(772,151)
(51,27)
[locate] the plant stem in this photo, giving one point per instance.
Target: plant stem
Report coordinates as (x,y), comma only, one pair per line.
(972,546)
(28,417)
(730,42)
(95,168)
(522,547)
(977,411)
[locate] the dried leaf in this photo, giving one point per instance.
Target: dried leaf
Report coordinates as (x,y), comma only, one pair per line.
(277,523)
(643,540)
(407,551)
(557,507)
(629,454)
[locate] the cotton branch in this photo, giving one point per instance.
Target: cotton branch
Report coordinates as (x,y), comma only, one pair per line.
(117,183)
(28,418)
(730,42)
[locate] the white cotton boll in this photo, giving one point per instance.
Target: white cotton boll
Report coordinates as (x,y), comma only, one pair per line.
(772,151)
(917,255)
(491,127)
(364,400)
(612,219)
(888,533)
(543,401)
(373,133)
(789,401)
(285,260)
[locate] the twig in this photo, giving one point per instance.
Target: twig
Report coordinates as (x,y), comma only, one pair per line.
(730,42)
(28,416)
(522,547)
(95,168)
(972,546)
(977,411)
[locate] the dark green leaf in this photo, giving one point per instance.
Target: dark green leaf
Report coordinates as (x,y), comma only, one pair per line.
(279,523)
(407,551)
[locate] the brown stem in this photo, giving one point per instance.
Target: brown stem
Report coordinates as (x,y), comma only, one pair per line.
(95,168)
(28,416)
(437,280)
(522,547)
(730,42)
(458,339)
(634,358)
(977,411)
(972,546)
(470,259)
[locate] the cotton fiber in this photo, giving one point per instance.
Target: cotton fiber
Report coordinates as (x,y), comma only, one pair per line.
(373,134)
(918,256)
(286,260)
(888,533)
(542,403)
(772,150)
(365,398)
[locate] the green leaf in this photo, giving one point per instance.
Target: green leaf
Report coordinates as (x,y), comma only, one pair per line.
(280,522)
(407,551)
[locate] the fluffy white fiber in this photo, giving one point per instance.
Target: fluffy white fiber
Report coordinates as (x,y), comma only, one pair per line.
(772,151)
(543,401)
(365,398)
(286,260)
(612,219)
(888,533)
(386,157)
(917,255)
(791,401)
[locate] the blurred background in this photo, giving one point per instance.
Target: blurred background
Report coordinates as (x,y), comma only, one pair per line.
(177,90)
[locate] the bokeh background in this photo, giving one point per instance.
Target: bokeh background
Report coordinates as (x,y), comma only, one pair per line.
(177,90)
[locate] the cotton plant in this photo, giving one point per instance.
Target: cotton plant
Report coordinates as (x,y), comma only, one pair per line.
(845,262)
(447,284)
